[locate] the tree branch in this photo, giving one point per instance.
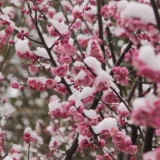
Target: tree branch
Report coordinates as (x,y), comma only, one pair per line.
(72,149)
(121,99)
(118,62)
(109,36)
(148,140)
(100,25)
(156,13)
(96,100)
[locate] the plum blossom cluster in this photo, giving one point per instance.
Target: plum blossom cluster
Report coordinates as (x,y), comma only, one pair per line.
(106,156)
(133,21)
(60,71)
(41,83)
(57,109)
(123,112)
(6,34)
(108,11)
(146,111)
(108,128)
(121,75)
(94,49)
(16,152)
(147,65)
(110,97)
(28,135)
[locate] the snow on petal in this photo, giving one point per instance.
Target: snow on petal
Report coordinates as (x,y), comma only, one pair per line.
(105,124)
(122,110)
(121,5)
(53,105)
(93,63)
(60,26)
(41,52)
(8,158)
(142,11)
(22,46)
(87,91)
(148,56)
(42,79)
(90,113)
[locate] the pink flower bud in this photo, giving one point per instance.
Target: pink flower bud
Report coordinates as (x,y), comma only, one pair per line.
(1,3)
(26,34)
(102,143)
(33,57)
(42,89)
(56,43)
(60,71)
(27,136)
(3,100)
(15,85)
(22,88)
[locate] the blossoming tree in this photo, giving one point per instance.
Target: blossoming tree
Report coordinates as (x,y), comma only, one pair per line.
(79,80)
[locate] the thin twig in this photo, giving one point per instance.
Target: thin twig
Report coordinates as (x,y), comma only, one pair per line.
(118,62)
(109,36)
(121,99)
(28,150)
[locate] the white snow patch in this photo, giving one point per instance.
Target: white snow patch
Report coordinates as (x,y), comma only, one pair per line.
(138,10)
(105,124)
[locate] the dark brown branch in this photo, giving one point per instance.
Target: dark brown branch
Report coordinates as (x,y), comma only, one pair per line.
(145,82)
(109,36)
(101,114)
(156,13)
(140,87)
(109,107)
(86,66)
(103,2)
(67,86)
(133,71)
(120,156)
(100,25)
(72,149)
(33,40)
(45,45)
(95,139)
(121,99)
(28,150)
(148,140)
(96,100)
(130,95)
(134,134)
(149,135)
(118,62)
